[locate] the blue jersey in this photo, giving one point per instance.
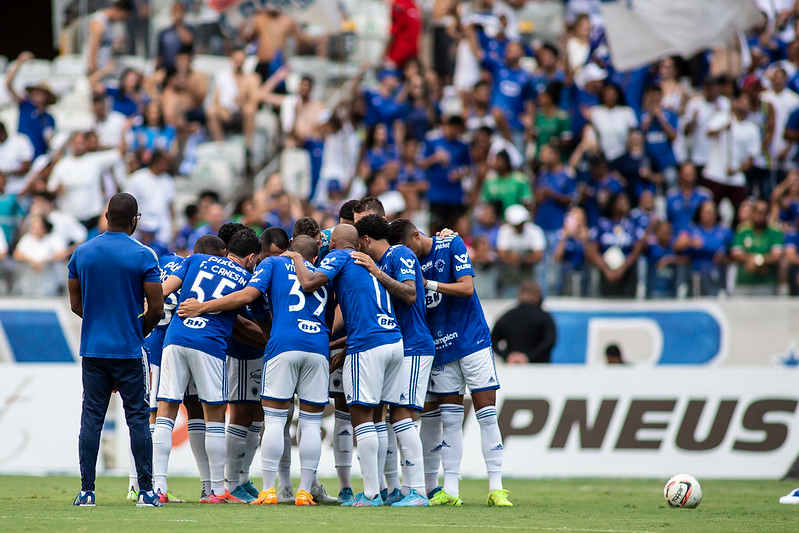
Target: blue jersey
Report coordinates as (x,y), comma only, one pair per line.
(365,303)
(680,210)
(112,269)
(716,240)
(154,342)
(512,89)
(206,277)
(624,233)
(298,317)
(442,189)
(381,110)
(458,325)
(658,145)
(549,214)
(400,263)
(240,350)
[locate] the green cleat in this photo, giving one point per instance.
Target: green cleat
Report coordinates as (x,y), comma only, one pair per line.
(442,498)
(133,496)
(499,498)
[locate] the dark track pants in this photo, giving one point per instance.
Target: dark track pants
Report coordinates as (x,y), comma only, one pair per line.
(130,377)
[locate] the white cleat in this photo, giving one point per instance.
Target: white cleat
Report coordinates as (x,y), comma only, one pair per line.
(285,495)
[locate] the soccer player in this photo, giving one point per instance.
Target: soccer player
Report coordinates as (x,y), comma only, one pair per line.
(295,360)
(463,358)
(346,215)
(112,338)
(399,272)
(368,206)
(153,344)
(373,362)
(244,364)
(195,349)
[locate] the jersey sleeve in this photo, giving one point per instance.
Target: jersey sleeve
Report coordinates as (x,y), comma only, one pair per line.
(405,265)
(183,268)
(461,263)
(332,264)
(150,266)
(72,267)
(262,276)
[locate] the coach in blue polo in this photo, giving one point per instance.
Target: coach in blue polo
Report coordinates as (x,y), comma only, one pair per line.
(110,277)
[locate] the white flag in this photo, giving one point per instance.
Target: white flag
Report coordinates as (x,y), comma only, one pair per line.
(642,31)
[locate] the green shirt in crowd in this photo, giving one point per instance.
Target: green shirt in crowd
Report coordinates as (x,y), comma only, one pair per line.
(511,189)
(763,242)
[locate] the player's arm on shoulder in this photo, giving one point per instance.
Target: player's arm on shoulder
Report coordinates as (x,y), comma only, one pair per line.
(405,291)
(75,296)
(171,284)
(309,281)
(191,307)
(462,288)
(248,332)
(155,305)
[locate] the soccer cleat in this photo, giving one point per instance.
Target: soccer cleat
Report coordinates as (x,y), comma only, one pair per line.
(204,497)
(168,498)
(362,501)
(133,496)
(148,499)
(394,497)
(285,495)
(413,499)
(345,497)
(84,499)
(304,498)
(320,495)
(384,494)
(442,498)
(434,491)
(213,498)
(266,497)
(241,493)
(251,490)
(229,498)
(499,498)
(791,498)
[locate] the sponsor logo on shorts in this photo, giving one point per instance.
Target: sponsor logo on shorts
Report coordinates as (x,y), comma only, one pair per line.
(308,326)
(386,321)
(195,322)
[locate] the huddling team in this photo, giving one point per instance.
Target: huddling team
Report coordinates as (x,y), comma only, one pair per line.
(376,315)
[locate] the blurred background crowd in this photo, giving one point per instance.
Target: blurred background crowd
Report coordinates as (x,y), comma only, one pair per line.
(503,120)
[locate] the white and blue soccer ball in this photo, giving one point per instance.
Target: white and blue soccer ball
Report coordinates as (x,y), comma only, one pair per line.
(683,490)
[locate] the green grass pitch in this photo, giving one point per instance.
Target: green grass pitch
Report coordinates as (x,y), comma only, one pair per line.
(587,505)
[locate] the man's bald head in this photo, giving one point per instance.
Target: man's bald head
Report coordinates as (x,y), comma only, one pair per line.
(344,236)
(306,246)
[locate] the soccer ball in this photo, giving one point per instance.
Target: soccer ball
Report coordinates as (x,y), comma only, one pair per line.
(683,490)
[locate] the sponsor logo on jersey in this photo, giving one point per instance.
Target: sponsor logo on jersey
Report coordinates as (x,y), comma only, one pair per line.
(308,326)
(444,341)
(195,322)
(427,266)
(440,245)
(386,321)
(409,263)
(432,299)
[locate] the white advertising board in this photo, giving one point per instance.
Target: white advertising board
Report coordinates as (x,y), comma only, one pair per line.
(557,421)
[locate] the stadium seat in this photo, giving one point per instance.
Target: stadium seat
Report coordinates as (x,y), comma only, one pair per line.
(10,117)
(69,66)
(214,174)
(70,119)
(135,62)
(211,64)
(230,152)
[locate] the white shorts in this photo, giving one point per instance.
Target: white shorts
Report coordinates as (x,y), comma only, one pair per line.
(336,377)
(244,379)
(306,373)
(180,366)
(155,373)
(374,376)
(415,378)
(476,371)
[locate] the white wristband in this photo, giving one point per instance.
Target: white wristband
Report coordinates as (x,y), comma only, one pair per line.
(432,286)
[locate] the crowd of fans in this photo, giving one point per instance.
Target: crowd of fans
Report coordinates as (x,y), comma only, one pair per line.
(678,178)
